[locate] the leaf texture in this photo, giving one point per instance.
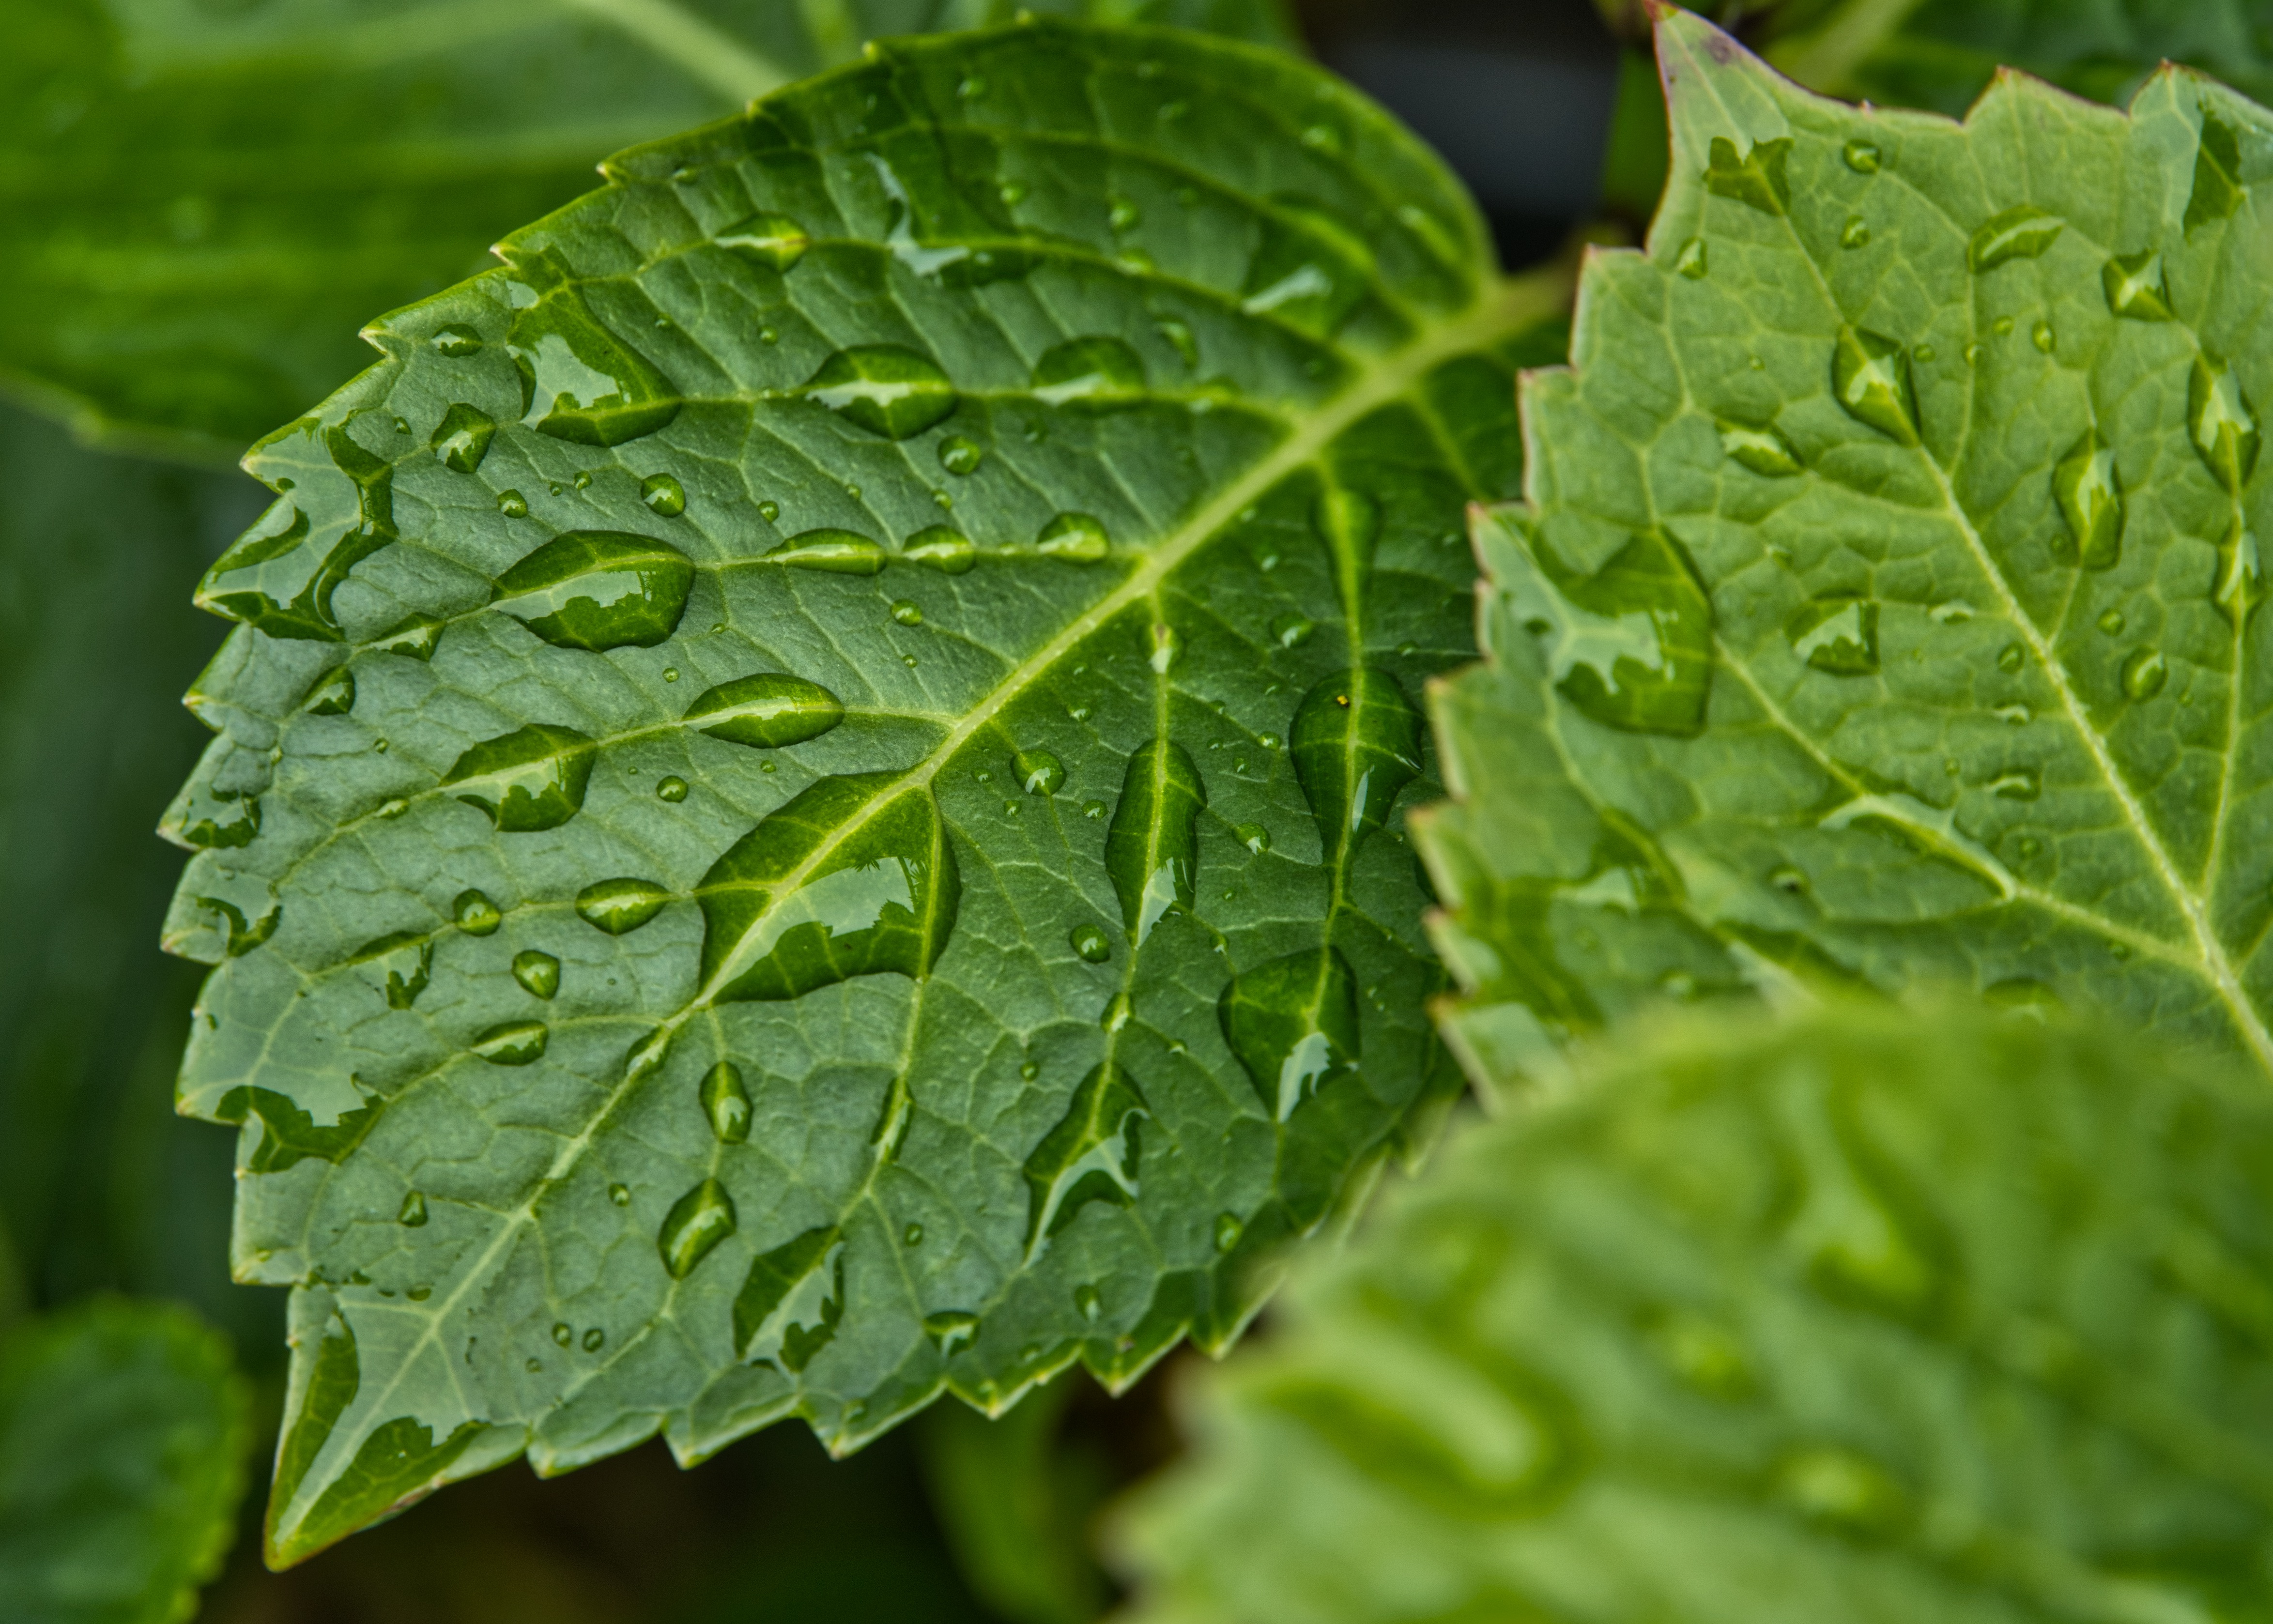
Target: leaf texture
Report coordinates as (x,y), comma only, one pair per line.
(1885,606)
(122,1440)
(1903,1314)
(853,849)
(203,202)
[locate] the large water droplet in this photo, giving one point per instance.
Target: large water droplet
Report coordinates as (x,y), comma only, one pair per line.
(1630,646)
(1870,378)
(1152,850)
(853,877)
(774,241)
(2021,232)
(532,778)
(405,962)
(792,1301)
(947,550)
(1039,772)
(951,1330)
(280,576)
(1355,743)
(2144,673)
(1089,1155)
(461,439)
(2222,423)
(1102,373)
(2135,287)
(1076,538)
(1837,633)
(512,1042)
(841,552)
(334,694)
(726,1103)
(1293,1024)
(885,388)
(697,1222)
(538,972)
(1764,451)
(599,590)
(2090,499)
(1756,179)
(580,382)
(769,710)
(619,905)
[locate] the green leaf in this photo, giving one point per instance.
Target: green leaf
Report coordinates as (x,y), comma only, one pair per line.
(1884,610)
(994,767)
(1905,1314)
(122,1439)
(203,202)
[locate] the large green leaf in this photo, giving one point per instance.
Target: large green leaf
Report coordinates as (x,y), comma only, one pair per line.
(806,801)
(1914,1316)
(200,201)
(122,1439)
(1886,609)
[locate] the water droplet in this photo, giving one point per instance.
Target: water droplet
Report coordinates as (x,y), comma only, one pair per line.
(537,972)
(513,505)
(671,788)
(1166,646)
(1029,1070)
(580,382)
(2135,286)
(1630,646)
(1039,772)
(412,1212)
(1756,179)
(884,388)
(841,552)
(2089,497)
(2219,186)
(334,694)
(619,905)
(599,590)
(1180,338)
(1291,630)
(1087,1303)
(456,341)
(792,1301)
(1693,260)
(461,439)
(767,711)
(697,1222)
(405,960)
(1862,157)
(726,1103)
(959,455)
(594,1338)
(664,495)
(1789,880)
(912,1235)
(2042,337)
(2222,423)
(1870,378)
(2144,673)
(1090,943)
(2240,585)
(1293,1024)
(562,1335)
(512,1042)
(951,1330)
(947,550)
(2023,784)
(1100,373)
(2111,622)
(1011,192)
(769,511)
(1356,743)
(532,1365)
(1310,269)
(1076,538)
(1089,1155)
(908,612)
(279,577)
(853,877)
(1837,633)
(532,778)
(2011,658)
(1151,850)
(1764,451)
(774,241)
(2022,232)
(475,914)
(1855,232)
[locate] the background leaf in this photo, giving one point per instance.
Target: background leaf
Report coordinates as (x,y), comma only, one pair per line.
(963,544)
(123,1437)
(208,199)
(1887,608)
(1897,1315)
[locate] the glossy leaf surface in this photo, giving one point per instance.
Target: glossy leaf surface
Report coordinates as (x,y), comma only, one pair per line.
(1924,1316)
(1966,680)
(203,202)
(931,769)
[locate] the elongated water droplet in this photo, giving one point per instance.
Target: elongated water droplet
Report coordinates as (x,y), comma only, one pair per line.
(951,1330)
(512,1042)
(456,341)
(774,241)
(1293,1024)
(2222,423)
(1101,373)
(2090,499)
(841,552)
(1355,744)
(475,914)
(697,1222)
(412,1212)
(334,694)
(1090,943)
(2240,585)
(887,389)
(1152,850)
(599,590)
(2144,673)
(947,550)
(279,577)
(960,455)
(1089,1155)
(1039,772)
(1694,260)
(2021,784)
(619,905)
(461,439)
(580,382)
(1837,633)
(853,877)
(769,710)
(2219,187)
(414,637)
(1871,379)
(537,972)
(1630,646)
(1228,1230)
(1077,538)
(1862,157)
(790,1301)
(532,778)
(664,495)
(1764,451)
(1291,630)
(726,1103)
(2135,287)
(2021,232)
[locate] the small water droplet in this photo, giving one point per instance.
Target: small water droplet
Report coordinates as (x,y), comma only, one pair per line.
(1855,232)
(1837,633)
(2144,673)
(2021,784)
(2042,337)
(912,1235)
(561,1334)
(1789,880)
(475,914)
(1039,772)
(960,455)
(2011,658)
(412,1212)
(887,389)
(2090,495)
(619,1194)
(2222,423)
(537,972)
(2002,327)
(1088,1303)
(774,241)
(1076,537)
(1011,192)
(1870,378)
(766,711)
(769,511)
(2111,622)
(513,505)
(951,1330)
(2134,287)
(664,495)
(1291,630)
(908,612)
(1693,260)
(594,1338)
(532,1365)
(1862,157)
(726,1103)
(1029,1070)
(670,673)
(1228,1229)
(1166,646)
(617,906)
(512,1042)
(671,788)
(2021,232)
(1090,943)
(697,1222)
(1764,451)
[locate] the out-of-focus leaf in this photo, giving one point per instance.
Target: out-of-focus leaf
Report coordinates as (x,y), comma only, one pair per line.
(201,200)
(1912,1315)
(122,1439)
